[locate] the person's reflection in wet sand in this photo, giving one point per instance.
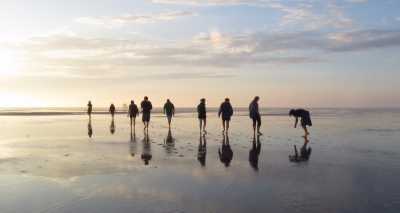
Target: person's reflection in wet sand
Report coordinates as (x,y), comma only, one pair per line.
(146,151)
(169,142)
(90,129)
(305,152)
(225,152)
(112,126)
(202,151)
(254,152)
(132,144)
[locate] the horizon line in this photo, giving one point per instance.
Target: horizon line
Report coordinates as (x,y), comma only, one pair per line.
(186,107)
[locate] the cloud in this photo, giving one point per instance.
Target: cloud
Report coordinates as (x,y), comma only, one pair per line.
(93,57)
(239,2)
(365,39)
(186,75)
(121,20)
(213,2)
(357,1)
(305,14)
(309,17)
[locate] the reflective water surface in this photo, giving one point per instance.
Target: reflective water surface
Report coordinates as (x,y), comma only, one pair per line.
(349,163)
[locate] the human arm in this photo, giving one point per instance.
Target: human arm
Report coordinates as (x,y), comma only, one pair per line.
(295,122)
(136,110)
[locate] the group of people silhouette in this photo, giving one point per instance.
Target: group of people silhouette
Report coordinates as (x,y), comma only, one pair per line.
(225,112)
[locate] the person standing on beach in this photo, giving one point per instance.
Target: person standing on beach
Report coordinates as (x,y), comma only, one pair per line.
(112,110)
(169,111)
(202,115)
(305,117)
(133,112)
(255,115)
(225,112)
(89,109)
(146,110)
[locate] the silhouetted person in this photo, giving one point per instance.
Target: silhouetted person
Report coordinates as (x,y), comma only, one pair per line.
(132,144)
(169,142)
(254,152)
(305,117)
(112,126)
(90,129)
(225,152)
(305,152)
(112,110)
(89,112)
(169,111)
(202,150)
(133,112)
(146,151)
(225,112)
(202,115)
(255,115)
(146,110)
(89,109)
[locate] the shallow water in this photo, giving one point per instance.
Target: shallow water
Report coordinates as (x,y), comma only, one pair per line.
(50,164)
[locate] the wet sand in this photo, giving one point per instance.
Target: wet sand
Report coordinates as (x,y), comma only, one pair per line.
(50,164)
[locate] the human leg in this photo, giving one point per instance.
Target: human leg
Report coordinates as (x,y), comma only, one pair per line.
(204,125)
(259,125)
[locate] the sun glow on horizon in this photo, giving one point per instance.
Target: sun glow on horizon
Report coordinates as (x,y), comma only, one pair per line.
(10,63)
(16,100)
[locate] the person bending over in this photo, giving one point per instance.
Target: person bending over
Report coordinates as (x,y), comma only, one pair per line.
(305,118)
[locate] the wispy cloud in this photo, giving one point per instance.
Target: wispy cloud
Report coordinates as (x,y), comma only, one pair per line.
(357,1)
(213,2)
(365,39)
(186,75)
(307,17)
(306,14)
(121,20)
(78,56)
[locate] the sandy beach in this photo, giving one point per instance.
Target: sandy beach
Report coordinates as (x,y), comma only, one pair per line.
(50,164)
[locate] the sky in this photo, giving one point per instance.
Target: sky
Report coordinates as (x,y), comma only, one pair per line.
(291,53)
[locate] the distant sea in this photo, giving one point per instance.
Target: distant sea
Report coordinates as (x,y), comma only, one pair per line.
(48,111)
